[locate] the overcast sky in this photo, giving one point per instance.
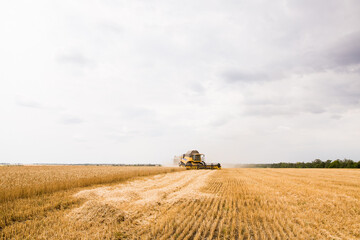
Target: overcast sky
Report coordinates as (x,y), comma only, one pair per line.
(141,81)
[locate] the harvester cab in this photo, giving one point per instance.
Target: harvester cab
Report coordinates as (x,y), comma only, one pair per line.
(195,160)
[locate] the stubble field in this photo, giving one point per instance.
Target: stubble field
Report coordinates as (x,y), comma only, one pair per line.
(204,204)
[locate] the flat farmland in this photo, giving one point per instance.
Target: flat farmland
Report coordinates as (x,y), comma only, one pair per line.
(204,204)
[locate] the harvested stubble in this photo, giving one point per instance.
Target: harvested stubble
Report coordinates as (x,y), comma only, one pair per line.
(266,204)
(226,204)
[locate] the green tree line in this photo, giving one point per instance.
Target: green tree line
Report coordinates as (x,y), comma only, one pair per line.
(317,163)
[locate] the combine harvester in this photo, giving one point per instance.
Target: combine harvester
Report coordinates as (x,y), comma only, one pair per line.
(194,160)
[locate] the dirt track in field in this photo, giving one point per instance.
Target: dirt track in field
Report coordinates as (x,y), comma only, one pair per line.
(140,200)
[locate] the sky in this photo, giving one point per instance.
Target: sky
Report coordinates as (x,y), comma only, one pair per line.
(141,81)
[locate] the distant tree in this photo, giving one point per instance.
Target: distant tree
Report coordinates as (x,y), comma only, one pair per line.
(299,165)
(317,163)
(348,163)
(327,163)
(308,165)
(358,164)
(335,164)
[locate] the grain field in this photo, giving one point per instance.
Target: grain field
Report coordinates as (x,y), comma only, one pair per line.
(225,204)
(26,181)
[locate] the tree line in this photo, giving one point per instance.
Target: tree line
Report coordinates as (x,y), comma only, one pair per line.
(317,163)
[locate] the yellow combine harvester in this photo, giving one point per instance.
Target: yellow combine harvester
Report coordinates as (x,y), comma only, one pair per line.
(195,160)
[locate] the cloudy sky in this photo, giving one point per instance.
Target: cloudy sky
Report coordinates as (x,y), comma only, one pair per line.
(141,81)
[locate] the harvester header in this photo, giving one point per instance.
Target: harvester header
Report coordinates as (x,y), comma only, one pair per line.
(194,160)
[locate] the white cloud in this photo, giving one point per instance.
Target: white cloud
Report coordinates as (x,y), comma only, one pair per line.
(142,81)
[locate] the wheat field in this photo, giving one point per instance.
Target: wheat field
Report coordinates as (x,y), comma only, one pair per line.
(204,204)
(26,181)
(32,192)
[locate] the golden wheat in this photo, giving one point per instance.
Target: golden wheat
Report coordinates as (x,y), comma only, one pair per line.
(32,192)
(27,181)
(226,204)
